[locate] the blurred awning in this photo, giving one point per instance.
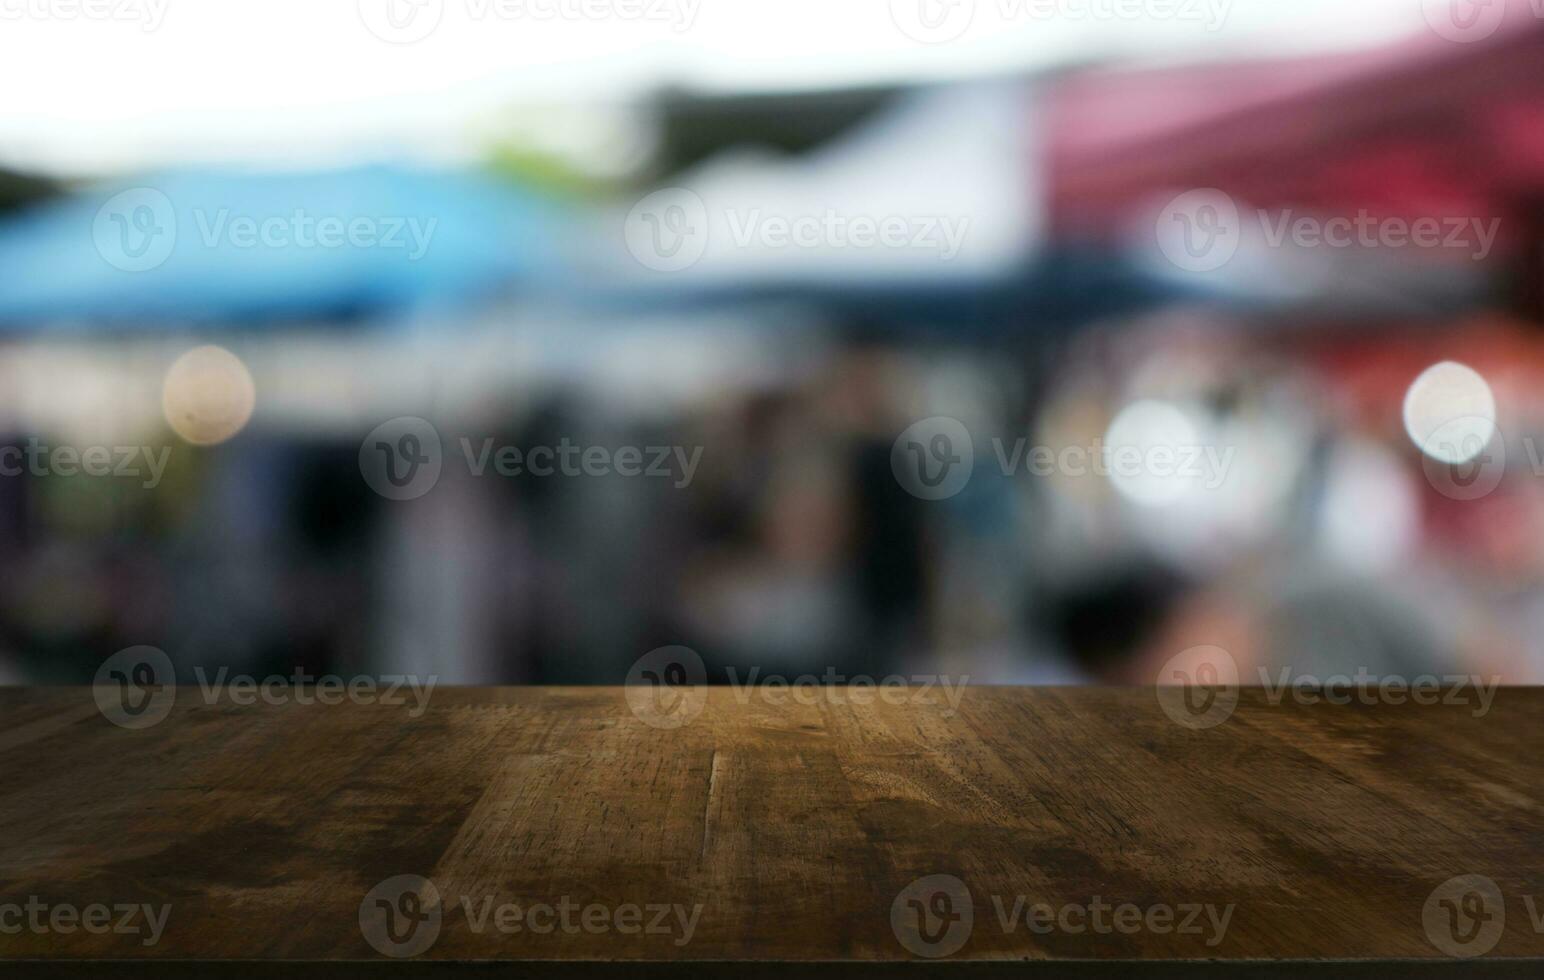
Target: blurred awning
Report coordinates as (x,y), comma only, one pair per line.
(1427,127)
(1055,290)
(234,249)
(937,187)
(956,167)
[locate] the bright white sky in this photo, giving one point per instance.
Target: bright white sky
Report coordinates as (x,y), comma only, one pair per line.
(305,81)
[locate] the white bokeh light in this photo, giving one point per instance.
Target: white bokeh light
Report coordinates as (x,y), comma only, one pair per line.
(1450,413)
(1143,432)
(208,395)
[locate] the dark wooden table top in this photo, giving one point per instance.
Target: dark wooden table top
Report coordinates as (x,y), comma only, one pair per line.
(1049,832)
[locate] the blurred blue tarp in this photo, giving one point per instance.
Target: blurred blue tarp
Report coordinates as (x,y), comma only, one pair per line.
(233,249)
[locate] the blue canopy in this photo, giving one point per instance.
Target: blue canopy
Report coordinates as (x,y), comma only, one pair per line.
(232,248)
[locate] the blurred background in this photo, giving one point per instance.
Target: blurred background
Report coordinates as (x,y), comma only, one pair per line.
(240,242)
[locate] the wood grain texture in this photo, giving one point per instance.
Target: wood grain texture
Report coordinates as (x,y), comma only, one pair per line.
(791,828)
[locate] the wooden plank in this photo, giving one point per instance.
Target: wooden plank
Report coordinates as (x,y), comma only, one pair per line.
(558,827)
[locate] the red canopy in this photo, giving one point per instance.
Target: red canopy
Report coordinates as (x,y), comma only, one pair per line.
(1429,127)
